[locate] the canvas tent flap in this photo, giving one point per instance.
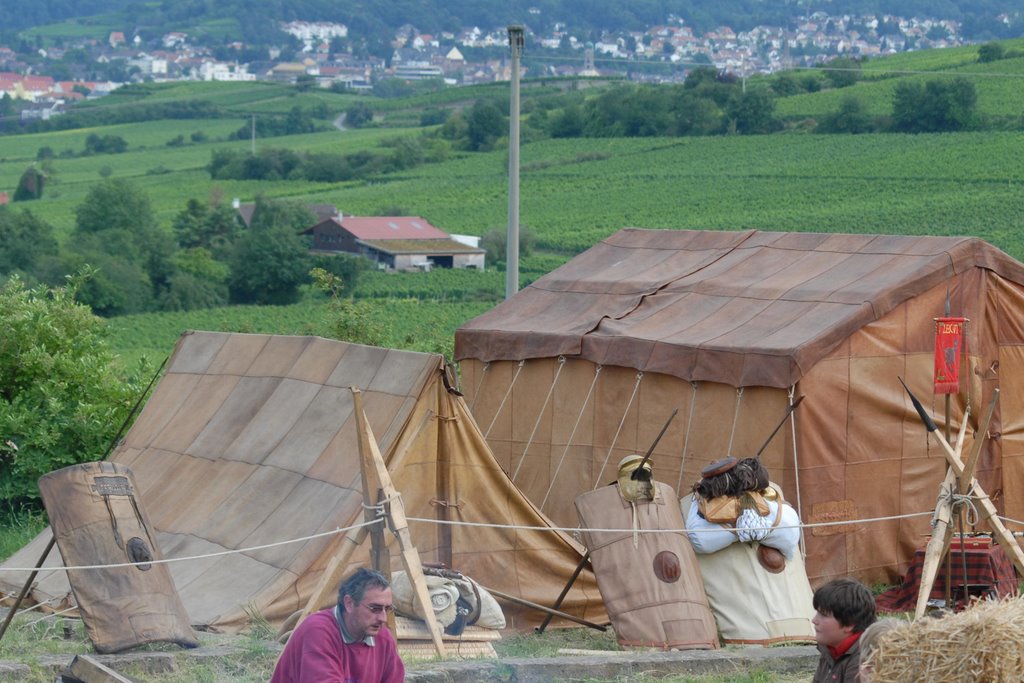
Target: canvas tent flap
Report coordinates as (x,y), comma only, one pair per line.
(744,309)
(249,441)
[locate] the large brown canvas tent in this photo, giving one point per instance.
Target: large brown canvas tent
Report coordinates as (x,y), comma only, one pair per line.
(584,366)
(250,440)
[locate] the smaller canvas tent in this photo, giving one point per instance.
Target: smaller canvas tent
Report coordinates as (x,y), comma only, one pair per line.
(250,440)
(584,365)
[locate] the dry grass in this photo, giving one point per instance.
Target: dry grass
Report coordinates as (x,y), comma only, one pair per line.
(982,643)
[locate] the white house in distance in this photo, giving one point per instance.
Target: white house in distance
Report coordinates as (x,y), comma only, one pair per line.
(394,242)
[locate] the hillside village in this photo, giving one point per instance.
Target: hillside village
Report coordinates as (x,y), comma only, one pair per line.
(325,55)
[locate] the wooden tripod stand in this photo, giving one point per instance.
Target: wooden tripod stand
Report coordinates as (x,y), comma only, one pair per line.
(375,476)
(961,471)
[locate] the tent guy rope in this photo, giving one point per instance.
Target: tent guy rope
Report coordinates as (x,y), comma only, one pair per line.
(618,430)
(540,416)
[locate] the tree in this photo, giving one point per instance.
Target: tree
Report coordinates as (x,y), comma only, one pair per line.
(62,396)
(358,115)
(935,107)
(267,267)
(115,224)
(31,185)
(850,118)
(496,240)
(199,281)
(752,112)
(271,260)
(107,144)
(568,123)
(26,242)
(351,320)
(484,125)
(211,227)
(695,114)
(991,52)
(843,72)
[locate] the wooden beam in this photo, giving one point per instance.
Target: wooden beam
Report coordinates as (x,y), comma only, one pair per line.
(85,669)
(398,522)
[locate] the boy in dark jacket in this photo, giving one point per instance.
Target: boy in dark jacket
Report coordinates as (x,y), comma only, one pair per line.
(844,608)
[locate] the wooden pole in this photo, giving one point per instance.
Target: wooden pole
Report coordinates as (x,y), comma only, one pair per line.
(397,522)
(939,544)
(28,585)
(542,608)
(565,591)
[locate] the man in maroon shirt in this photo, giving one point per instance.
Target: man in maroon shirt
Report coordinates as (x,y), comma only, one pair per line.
(349,643)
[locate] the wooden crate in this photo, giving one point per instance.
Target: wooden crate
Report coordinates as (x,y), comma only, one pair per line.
(414,641)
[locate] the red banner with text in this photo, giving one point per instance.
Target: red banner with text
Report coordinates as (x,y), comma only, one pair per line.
(949,342)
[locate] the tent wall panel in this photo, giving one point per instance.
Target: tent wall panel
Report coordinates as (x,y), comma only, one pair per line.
(1011,431)
(319,359)
(277,357)
(235,414)
(297,448)
(279,413)
(200,405)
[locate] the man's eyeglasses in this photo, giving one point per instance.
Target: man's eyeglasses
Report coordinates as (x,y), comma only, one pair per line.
(377,609)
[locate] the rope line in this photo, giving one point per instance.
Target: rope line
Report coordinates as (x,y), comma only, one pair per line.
(488,525)
(611,447)
(796,466)
(735,419)
(576,529)
(540,415)
(168,560)
(508,392)
(51,615)
(568,442)
(686,437)
(480,384)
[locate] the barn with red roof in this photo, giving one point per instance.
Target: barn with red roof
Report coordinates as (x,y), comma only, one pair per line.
(395,242)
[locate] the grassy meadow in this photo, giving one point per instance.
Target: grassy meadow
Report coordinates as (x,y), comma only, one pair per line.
(574,192)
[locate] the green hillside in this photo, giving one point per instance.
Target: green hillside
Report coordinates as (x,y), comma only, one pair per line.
(999,84)
(574,192)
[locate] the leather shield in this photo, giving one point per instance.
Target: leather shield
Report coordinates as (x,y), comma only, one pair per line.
(98,519)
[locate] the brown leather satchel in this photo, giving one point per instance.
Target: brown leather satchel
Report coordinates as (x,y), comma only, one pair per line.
(720,510)
(771,559)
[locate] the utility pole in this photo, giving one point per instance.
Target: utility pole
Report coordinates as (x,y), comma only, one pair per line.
(515,41)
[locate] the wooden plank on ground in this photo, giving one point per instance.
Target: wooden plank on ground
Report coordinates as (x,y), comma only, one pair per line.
(86,669)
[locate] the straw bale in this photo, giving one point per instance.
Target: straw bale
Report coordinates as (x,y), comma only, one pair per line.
(984,643)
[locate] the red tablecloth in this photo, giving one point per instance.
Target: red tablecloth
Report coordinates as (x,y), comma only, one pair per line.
(987,566)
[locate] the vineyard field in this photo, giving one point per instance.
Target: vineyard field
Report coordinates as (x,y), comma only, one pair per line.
(581,191)
(999,85)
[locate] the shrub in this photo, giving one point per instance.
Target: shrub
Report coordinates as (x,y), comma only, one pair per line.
(61,396)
